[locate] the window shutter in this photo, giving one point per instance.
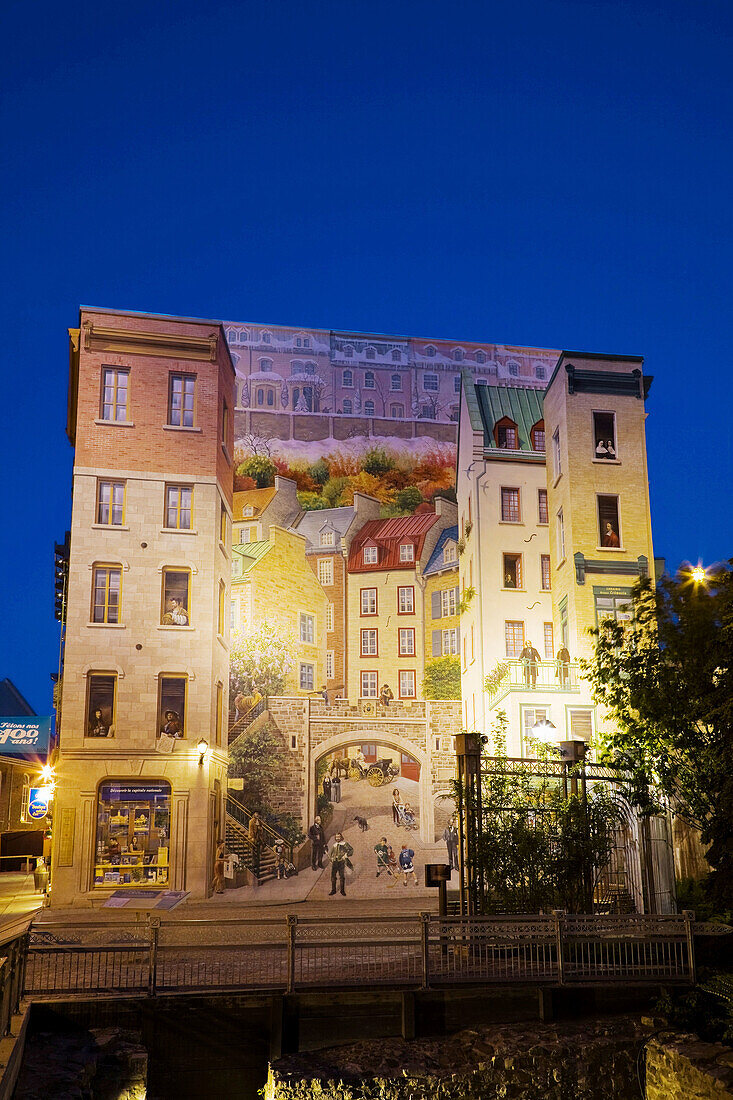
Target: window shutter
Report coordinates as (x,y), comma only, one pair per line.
(437,642)
(581,724)
(435,600)
(458,598)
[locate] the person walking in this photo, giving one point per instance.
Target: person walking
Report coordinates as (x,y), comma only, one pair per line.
(218,884)
(340,856)
(254,834)
(407,867)
(318,843)
(450,836)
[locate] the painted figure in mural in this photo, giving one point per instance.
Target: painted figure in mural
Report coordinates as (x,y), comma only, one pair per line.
(381,851)
(324,694)
(327,787)
(396,806)
(407,816)
(610,450)
(172,725)
(176,614)
(407,867)
(318,843)
(336,788)
(509,581)
(601,449)
(563,665)
(450,836)
(385,695)
(254,834)
(114,852)
(239,708)
(530,659)
(610,538)
(340,856)
(98,727)
(392,860)
(218,885)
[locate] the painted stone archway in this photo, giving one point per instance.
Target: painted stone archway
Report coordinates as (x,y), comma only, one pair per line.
(394,741)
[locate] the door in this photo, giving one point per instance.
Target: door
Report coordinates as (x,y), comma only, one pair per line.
(409,767)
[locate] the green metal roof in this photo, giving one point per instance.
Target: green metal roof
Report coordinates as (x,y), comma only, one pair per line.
(522,405)
(250,553)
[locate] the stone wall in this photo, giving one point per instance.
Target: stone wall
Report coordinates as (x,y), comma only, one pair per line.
(682,1067)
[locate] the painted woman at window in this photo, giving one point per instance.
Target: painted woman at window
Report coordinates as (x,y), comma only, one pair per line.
(97,726)
(172,725)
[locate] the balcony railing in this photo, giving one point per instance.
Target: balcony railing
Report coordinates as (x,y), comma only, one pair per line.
(524,675)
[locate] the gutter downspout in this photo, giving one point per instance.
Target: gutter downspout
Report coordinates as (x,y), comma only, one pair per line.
(479,591)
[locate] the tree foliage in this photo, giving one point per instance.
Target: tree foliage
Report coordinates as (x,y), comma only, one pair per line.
(257,759)
(666,680)
(260,468)
(260,661)
(442,679)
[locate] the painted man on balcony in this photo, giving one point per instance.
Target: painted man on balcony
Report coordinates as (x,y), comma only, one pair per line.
(530,659)
(340,856)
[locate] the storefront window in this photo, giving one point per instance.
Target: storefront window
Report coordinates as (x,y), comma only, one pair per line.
(133,834)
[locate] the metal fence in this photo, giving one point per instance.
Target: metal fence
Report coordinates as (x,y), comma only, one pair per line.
(418,951)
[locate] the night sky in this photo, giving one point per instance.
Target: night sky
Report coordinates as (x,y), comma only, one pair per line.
(550,174)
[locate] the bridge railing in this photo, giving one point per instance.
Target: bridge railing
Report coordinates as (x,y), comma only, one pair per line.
(413,951)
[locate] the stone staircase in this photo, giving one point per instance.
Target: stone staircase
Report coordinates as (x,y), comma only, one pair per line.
(261,864)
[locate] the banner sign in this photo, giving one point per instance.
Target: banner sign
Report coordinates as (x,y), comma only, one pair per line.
(23,736)
(133,792)
(38,802)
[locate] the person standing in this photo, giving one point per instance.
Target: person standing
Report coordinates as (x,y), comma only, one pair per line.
(530,659)
(254,834)
(327,787)
(407,866)
(381,851)
(450,836)
(396,802)
(336,788)
(218,884)
(563,665)
(318,843)
(385,695)
(340,856)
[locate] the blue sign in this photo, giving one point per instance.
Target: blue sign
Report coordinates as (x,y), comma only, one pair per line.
(23,736)
(38,802)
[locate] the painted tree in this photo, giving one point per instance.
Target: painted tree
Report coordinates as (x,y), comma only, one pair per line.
(442,678)
(260,661)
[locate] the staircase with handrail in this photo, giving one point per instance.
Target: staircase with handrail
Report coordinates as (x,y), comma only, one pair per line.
(242,724)
(262,862)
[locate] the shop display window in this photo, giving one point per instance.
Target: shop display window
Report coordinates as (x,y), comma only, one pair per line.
(133,834)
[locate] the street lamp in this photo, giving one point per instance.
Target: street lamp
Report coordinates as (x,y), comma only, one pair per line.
(699,574)
(202,748)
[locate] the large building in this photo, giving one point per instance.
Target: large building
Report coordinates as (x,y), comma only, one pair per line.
(143,758)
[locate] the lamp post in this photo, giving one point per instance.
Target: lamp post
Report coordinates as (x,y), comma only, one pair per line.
(471,882)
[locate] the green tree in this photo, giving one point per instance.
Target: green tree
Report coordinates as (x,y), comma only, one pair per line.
(377,461)
(320,471)
(260,468)
(311,502)
(442,679)
(666,679)
(260,661)
(333,489)
(257,759)
(407,499)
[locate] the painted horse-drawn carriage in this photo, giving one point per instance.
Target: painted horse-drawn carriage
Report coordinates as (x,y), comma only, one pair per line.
(376,773)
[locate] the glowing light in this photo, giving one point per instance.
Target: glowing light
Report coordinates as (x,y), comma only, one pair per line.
(699,575)
(203,748)
(47,773)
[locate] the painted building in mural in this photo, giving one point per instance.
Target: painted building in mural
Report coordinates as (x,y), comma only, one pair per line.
(146,660)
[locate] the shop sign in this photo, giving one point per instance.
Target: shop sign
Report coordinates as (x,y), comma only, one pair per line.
(38,802)
(25,735)
(133,792)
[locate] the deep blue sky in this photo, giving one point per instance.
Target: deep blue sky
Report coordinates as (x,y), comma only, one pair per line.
(548,173)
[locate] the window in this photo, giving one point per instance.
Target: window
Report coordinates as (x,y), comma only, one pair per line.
(328,538)
(113,398)
(545,572)
(221,622)
(407,551)
(448,602)
(370,353)
(510,506)
(307,676)
(329,664)
(513,368)
(178,507)
(368,408)
(396,356)
(581,724)
(369,643)
(560,536)
(248,534)
(266,338)
(175,609)
(111,503)
(512,572)
(513,638)
(397,411)
(224,424)
(608,522)
(101,704)
(556,460)
(548,640)
(329,617)
(369,685)
(265,365)
(307,628)
(132,838)
(430,351)
(564,628)
(530,715)
(449,642)
(458,355)
(506,434)
(450,553)
(325,571)
(542,515)
(248,510)
(457,384)
(537,435)
(395,382)
(480,357)
(223,530)
(348,406)
(369,555)
(405,601)
(106,593)
(613,603)
(218,733)
(181,396)
(407,684)
(407,641)
(368,601)
(347,379)
(348,353)
(604,435)
(430,383)
(369,382)
(541,372)
(172,705)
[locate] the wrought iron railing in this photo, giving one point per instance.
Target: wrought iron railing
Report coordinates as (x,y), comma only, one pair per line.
(312,953)
(262,857)
(525,675)
(247,719)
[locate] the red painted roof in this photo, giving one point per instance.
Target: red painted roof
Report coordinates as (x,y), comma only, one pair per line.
(389,534)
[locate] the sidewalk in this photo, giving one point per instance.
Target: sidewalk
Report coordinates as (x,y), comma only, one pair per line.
(17,895)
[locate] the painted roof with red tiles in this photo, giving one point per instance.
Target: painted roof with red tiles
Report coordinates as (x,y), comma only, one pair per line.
(388,535)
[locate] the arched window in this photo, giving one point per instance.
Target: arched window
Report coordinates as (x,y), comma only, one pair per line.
(348,351)
(368,408)
(370,353)
(270,396)
(396,356)
(310,368)
(266,338)
(505,434)
(348,406)
(458,355)
(480,356)
(296,367)
(395,382)
(260,396)
(369,380)
(347,379)
(265,364)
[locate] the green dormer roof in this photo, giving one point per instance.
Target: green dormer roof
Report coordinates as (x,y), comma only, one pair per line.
(492,403)
(249,553)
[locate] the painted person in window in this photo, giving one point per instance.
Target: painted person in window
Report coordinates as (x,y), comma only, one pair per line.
(609,448)
(172,725)
(97,726)
(509,581)
(385,695)
(610,538)
(601,449)
(530,659)
(176,614)
(340,856)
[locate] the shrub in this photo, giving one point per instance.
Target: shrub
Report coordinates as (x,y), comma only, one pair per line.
(332,491)
(365,483)
(407,499)
(320,472)
(242,484)
(377,461)
(312,502)
(442,678)
(261,469)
